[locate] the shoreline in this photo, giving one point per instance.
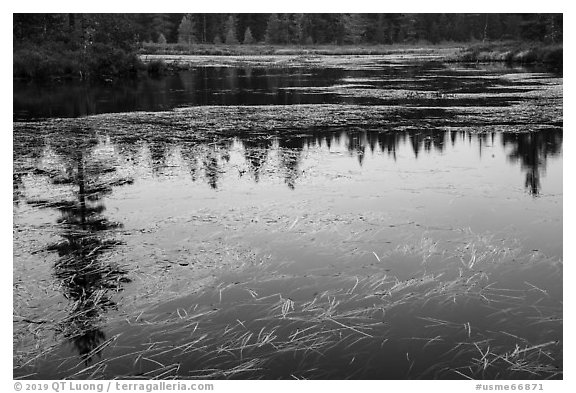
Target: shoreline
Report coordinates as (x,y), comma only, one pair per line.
(509,52)
(157,59)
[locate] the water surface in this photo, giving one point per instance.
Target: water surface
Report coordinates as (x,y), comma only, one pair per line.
(401,220)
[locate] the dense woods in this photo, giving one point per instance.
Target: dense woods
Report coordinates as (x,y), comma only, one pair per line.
(104,45)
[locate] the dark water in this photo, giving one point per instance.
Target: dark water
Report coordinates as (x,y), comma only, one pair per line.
(415,246)
(256,86)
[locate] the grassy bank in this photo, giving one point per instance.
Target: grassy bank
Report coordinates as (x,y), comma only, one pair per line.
(514,52)
(263,49)
(160,58)
(511,52)
(105,62)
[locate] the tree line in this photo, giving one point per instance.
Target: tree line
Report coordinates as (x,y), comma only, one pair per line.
(104,46)
(338,29)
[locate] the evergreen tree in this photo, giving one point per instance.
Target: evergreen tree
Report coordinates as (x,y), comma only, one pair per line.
(443,27)
(434,32)
(406,28)
(381,31)
(186,31)
(298,34)
(460,30)
(231,31)
(161,39)
(354,28)
(511,27)
(285,30)
(273,33)
(555,24)
(494,26)
(161,24)
(248,39)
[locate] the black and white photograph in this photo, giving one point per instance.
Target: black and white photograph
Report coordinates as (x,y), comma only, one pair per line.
(287,196)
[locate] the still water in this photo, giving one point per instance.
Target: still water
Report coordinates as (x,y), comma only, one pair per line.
(397,220)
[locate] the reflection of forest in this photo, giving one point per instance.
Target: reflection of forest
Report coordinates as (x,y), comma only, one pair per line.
(281,154)
(531,149)
(88,167)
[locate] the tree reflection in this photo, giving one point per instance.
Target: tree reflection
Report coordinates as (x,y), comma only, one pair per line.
(86,278)
(190,155)
(532,150)
(158,155)
(256,154)
(209,159)
(289,151)
(357,144)
(211,168)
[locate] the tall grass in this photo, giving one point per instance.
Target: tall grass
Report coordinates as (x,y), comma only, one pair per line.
(265,49)
(517,53)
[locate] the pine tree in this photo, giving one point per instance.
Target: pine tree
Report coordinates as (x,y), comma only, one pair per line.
(555,24)
(248,39)
(354,28)
(460,30)
(494,26)
(380,29)
(511,27)
(186,31)
(273,33)
(231,31)
(161,39)
(161,24)
(285,29)
(434,32)
(298,29)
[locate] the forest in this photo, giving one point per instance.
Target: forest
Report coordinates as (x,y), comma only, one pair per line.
(106,45)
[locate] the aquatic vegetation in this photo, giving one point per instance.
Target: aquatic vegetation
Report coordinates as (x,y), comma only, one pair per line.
(243,329)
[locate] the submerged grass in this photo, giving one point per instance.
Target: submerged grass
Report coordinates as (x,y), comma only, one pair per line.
(416,310)
(351,327)
(429,300)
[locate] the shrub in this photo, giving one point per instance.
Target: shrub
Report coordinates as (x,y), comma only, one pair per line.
(55,61)
(156,67)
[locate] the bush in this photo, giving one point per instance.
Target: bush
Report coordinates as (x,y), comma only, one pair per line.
(102,61)
(106,61)
(514,53)
(27,63)
(156,67)
(35,62)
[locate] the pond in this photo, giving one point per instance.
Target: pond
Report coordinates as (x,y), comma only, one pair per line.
(357,218)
